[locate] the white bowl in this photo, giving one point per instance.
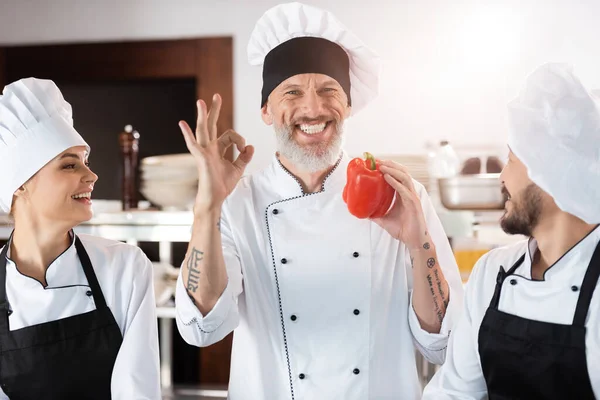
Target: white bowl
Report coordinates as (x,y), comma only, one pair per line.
(169,196)
(184,160)
(169,175)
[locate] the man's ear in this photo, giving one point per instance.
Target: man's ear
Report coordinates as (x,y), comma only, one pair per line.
(265,113)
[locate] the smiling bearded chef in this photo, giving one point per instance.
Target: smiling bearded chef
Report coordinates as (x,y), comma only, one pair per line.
(77,312)
(531,323)
(324,305)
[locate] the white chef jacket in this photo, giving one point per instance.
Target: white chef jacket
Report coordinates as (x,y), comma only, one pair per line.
(551,300)
(125,277)
(320,300)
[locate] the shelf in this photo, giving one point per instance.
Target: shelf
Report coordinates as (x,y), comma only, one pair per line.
(144,226)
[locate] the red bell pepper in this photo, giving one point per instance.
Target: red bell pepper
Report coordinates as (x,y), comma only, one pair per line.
(366,193)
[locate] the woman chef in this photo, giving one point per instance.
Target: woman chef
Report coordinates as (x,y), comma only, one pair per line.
(77,312)
(531,323)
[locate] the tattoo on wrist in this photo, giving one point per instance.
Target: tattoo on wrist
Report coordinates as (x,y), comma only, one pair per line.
(438,281)
(436,304)
(193,270)
(426,246)
(431,262)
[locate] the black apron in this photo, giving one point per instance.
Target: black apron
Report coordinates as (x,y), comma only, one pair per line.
(71,358)
(527,359)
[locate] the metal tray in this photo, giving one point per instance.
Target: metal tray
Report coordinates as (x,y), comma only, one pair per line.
(472,192)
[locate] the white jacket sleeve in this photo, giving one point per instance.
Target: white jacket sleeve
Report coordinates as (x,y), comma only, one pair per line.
(433,345)
(204,330)
(461,376)
(136,372)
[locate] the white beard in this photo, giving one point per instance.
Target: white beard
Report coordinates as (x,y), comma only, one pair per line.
(313,158)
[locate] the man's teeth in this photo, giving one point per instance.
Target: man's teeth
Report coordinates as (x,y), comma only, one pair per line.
(313,129)
(82,195)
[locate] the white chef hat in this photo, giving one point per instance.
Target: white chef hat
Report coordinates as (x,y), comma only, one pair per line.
(555,132)
(295,38)
(36,125)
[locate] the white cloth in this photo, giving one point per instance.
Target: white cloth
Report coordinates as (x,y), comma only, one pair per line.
(322,283)
(551,300)
(291,20)
(36,125)
(125,277)
(555,131)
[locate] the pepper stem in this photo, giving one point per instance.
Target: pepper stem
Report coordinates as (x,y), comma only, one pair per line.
(369,157)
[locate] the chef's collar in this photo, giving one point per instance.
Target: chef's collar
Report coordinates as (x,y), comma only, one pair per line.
(288,186)
(578,256)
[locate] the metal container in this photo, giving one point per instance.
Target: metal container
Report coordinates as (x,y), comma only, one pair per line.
(472,192)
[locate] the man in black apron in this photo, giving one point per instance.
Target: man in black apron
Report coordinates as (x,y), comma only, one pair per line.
(531,322)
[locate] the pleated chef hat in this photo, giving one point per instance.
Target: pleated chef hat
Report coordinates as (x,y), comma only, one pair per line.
(36,125)
(294,38)
(555,132)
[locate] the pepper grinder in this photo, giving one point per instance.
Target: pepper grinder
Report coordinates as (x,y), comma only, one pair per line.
(129,143)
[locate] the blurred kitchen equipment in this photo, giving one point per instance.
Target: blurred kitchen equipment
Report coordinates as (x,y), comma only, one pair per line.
(493,165)
(472,192)
(446,163)
(165,279)
(475,165)
(129,143)
(467,251)
(170,181)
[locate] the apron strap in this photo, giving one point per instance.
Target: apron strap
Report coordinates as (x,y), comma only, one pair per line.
(590,281)
(89,274)
(4,306)
(502,274)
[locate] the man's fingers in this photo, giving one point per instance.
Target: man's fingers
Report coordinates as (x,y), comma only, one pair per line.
(213,116)
(398,186)
(202,136)
(399,173)
(188,135)
(230,138)
(244,158)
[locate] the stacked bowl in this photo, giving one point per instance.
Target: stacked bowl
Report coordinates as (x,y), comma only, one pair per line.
(170,181)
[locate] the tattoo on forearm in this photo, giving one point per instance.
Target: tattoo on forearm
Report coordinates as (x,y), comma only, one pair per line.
(431,262)
(436,305)
(194,273)
(219,225)
(426,246)
(438,281)
(412,262)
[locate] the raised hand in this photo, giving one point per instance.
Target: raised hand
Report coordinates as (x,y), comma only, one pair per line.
(217,176)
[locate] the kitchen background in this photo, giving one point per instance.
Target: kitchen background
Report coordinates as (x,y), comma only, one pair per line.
(449,68)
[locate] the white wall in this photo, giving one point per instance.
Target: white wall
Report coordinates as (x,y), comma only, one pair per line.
(450,67)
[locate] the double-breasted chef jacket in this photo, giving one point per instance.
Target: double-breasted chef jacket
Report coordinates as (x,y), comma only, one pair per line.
(320,300)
